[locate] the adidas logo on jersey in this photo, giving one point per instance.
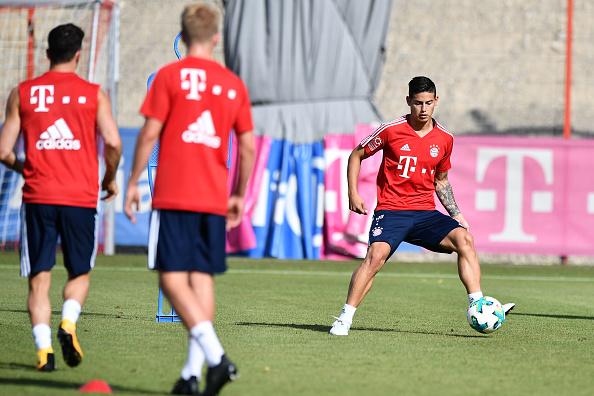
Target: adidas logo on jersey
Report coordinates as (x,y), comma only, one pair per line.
(202,131)
(405,148)
(57,137)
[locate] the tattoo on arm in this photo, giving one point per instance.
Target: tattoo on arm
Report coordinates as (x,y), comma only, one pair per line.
(444,192)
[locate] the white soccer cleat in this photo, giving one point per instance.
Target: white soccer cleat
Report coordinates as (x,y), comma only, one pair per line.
(340,327)
(508,307)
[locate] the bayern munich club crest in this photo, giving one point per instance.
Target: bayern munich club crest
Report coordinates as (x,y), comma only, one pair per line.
(434,150)
(374,143)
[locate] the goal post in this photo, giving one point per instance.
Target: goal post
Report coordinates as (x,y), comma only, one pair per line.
(24,27)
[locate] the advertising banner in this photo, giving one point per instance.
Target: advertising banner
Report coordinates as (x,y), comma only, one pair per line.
(532,196)
(526,195)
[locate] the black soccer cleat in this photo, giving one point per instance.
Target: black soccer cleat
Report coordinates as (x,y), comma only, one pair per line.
(46,360)
(71,349)
(189,386)
(218,376)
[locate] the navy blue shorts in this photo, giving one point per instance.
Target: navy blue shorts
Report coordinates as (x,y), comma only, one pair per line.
(425,228)
(40,227)
(187,241)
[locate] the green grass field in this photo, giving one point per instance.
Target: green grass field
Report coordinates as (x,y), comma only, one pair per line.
(410,336)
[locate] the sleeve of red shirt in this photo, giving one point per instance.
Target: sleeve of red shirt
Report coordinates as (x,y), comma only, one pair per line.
(157,102)
(243,122)
(374,142)
(445,164)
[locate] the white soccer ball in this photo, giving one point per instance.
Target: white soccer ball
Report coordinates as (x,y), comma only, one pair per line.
(486,315)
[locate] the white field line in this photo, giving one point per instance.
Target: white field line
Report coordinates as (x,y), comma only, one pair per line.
(238,271)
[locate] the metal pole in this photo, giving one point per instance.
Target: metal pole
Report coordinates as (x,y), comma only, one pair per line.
(568,71)
(568,74)
(93,49)
(30,43)
(116,58)
(113,79)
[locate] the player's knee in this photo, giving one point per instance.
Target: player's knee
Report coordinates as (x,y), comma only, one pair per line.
(82,276)
(465,242)
(469,239)
(39,288)
(375,261)
(39,282)
(36,287)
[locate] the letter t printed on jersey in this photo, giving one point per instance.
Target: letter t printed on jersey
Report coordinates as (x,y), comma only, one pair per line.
(194,81)
(40,96)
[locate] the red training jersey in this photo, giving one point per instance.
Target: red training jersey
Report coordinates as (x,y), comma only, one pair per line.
(58,114)
(406,175)
(199,101)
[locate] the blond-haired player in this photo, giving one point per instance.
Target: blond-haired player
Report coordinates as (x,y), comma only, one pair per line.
(190,110)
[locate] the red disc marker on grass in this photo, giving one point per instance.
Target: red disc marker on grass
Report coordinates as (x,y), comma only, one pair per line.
(95,386)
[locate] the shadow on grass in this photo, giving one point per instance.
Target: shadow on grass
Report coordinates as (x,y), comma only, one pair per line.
(553,316)
(325,329)
(48,383)
(16,366)
(83,314)
(45,383)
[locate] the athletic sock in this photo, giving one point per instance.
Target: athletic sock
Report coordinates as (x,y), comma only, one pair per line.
(42,335)
(205,336)
(347,313)
(195,360)
(71,310)
(474,296)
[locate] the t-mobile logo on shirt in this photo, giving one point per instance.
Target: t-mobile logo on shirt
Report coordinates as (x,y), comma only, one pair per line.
(40,96)
(405,165)
(194,81)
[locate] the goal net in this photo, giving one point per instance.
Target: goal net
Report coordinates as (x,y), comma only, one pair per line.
(24,27)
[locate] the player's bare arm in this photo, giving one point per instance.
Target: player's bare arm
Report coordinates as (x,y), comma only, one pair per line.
(148,136)
(356,203)
(112,145)
(247,152)
(445,193)
(10,133)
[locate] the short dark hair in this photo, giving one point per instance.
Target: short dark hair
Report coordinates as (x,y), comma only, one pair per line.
(63,43)
(421,84)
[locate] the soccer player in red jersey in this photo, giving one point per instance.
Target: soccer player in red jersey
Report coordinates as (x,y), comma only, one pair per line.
(58,114)
(416,159)
(190,110)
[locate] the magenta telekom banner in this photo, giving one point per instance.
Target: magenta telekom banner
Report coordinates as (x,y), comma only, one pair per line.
(520,195)
(242,238)
(346,233)
(526,195)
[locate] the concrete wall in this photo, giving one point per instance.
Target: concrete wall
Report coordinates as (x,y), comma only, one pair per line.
(498,64)
(148,28)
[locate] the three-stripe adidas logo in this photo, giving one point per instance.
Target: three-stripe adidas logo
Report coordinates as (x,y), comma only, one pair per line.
(405,148)
(202,131)
(58,136)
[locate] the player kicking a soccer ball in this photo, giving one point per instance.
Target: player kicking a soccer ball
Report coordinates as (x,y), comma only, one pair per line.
(58,114)
(416,159)
(190,109)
